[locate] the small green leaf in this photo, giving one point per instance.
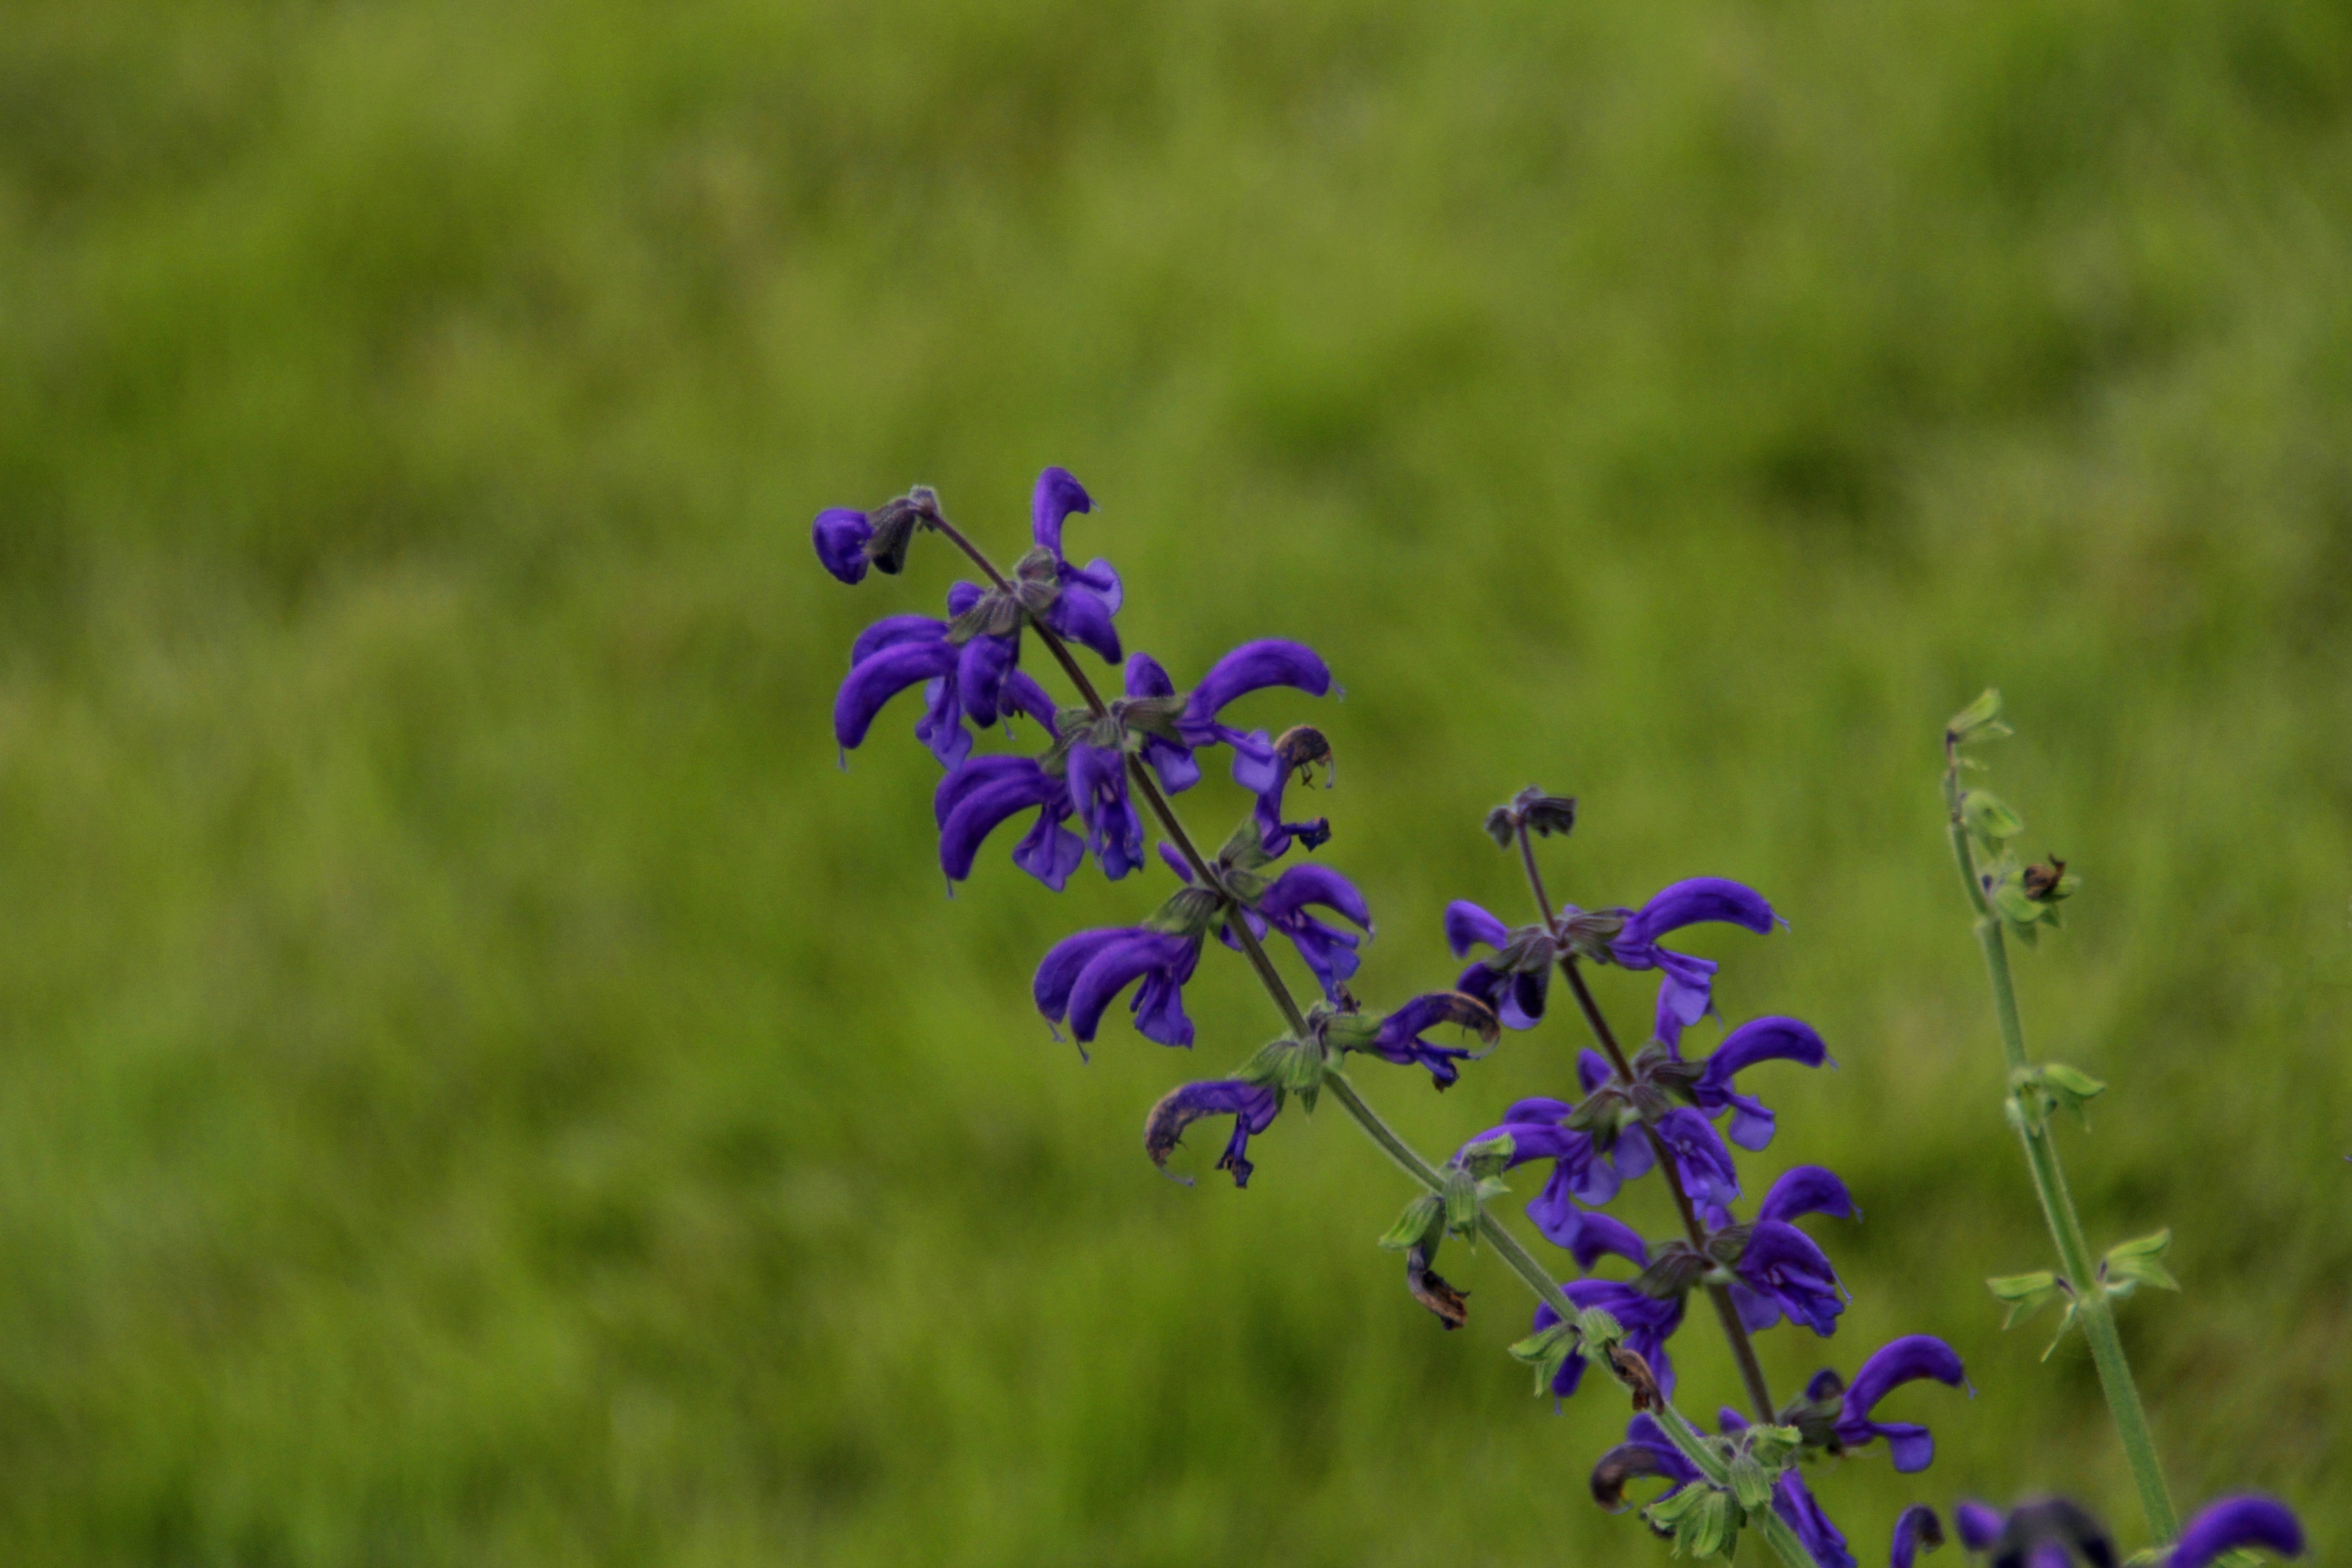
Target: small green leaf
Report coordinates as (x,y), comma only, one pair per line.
(1775,1447)
(1751,1483)
(1189,911)
(1419,1223)
(1462,1204)
(1244,849)
(2024,1294)
(1598,1327)
(1488,1156)
(2075,1085)
(1980,721)
(1990,819)
(1546,1350)
(2064,1323)
(2130,1265)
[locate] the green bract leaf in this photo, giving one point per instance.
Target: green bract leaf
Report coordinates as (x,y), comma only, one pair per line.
(2025,1294)
(1462,1204)
(1990,819)
(1488,1156)
(1545,1349)
(2128,1265)
(1244,849)
(1980,721)
(1599,1327)
(1421,1221)
(1751,1483)
(1189,911)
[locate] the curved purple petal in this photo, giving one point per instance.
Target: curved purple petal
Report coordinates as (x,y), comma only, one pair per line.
(1807,1189)
(1138,956)
(1099,577)
(840,534)
(1907,1360)
(1705,1163)
(962,780)
(1146,677)
(1592,1069)
(1080,615)
(892,630)
(1784,1265)
(1022,694)
(1980,1526)
(981,670)
(1056,496)
(1466,924)
(1097,783)
(963,597)
(1761,1040)
(876,680)
(941,726)
(1050,852)
(1916,1529)
(1304,885)
(1252,1106)
(1600,1235)
(1253,666)
(1696,902)
(2235,1523)
(1795,1503)
(1059,970)
(982,809)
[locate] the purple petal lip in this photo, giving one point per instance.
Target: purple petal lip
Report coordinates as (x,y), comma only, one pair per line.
(962,780)
(1056,496)
(1253,667)
(1980,1526)
(1115,967)
(1147,678)
(1906,1360)
(892,630)
(1304,885)
(1807,1189)
(1697,901)
(1762,1040)
(2235,1522)
(879,679)
(1466,923)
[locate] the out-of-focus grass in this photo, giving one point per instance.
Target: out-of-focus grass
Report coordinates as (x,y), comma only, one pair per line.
(477,1085)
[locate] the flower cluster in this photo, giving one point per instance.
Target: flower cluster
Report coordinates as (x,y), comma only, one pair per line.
(1108,770)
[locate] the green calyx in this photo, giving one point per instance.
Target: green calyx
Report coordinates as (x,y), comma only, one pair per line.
(2035,1092)
(1288,1067)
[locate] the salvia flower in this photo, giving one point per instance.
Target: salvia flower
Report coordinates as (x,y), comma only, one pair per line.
(1262,765)
(1648,1323)
(1916,1529)
(1686,991)
(1098,794)
(1517,979)
(2237,1524)
(1082,975)
(1782,1270)
(2045,1533)
(985,792)
(1398,1037)
(1758,1040)
(1090,595)
(1251,1105)
(1898,1361)
(1326,949)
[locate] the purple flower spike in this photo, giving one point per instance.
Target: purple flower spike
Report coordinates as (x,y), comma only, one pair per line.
(1807,1189)
(1916,1529)
(1648,1322)
(1252,1106)
(1400,1040)
(1083,973)
(1907,1360)
(1098,788)
(1785,1272)
(1329,951)
(1758,1040)
(2235,1523)
(1685,990)
(840,536)
(1978,1526)
(972,801)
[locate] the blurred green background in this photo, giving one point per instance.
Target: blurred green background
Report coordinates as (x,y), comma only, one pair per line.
(478,1086)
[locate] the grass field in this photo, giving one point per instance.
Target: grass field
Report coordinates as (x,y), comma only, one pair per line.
(478,1086)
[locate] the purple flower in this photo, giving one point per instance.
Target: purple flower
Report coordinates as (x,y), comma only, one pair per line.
(2048,1532)
(1686,989)
(900,651)
(1098,790)
(1172,761)
(1090,595)
(1646,1452)
(1082,975)
(981,794)
(1708,1173)
(2233,1524)
(1536,1131)
(1907,1360)
(1516,985)
(1326,949)
(1782,1270)
(1758,1040)
(1648,1323)
(1399,1037)
(1252,1106)
(1261,765)
(840,536)
(1916,1529)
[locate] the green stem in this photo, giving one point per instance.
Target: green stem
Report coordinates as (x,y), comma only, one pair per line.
(2092,1310)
